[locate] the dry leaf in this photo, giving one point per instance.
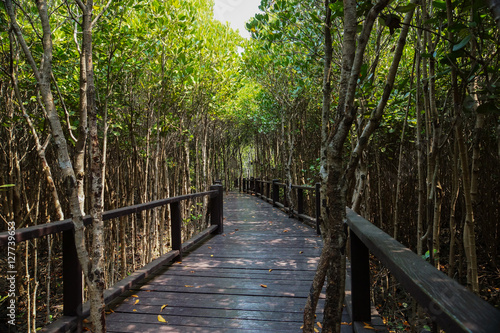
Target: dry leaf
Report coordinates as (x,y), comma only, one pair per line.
(192,271)
(86,321)
(301,327)
(301,252)
(134,310)
(163,307)
(211,255)
(263,286)
(285,230)
(319,324)
(367,326)
(135,296)
(344,323)
(136,301)
(161,319)
(316,330)
(270,270)
(188,286)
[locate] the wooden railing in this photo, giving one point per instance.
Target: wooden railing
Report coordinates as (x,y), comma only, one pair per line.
(73,308)
(276,193)
(448,304)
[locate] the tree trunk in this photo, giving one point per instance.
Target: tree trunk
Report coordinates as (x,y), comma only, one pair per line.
(469,233)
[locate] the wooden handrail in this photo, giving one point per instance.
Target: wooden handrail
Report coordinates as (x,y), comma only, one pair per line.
(73,309)
(448,303)
(51,228)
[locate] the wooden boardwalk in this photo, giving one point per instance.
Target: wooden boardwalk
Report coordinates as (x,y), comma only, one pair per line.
(253,278)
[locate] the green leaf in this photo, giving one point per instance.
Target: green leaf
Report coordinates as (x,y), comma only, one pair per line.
(439,4)
(315,18)
(406,8)
(462,44)
(6,186)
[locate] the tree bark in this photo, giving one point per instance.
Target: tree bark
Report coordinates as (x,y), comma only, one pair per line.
(494,6)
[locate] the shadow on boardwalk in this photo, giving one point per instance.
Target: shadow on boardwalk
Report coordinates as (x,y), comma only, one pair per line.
(253,278)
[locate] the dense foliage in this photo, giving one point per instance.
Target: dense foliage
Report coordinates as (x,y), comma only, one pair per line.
(182,100)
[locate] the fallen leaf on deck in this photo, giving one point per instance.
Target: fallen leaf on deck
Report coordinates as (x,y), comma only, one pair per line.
(136,301)
(285,230)
(86,321)
(263,286)
(188,286)
(161,319)
(270,270)
(301,252)
(163,307)
(319,324)
(316,330)
(135,296)
(192,272)
(344,323)
(367,326)
(134,310)
(211,255)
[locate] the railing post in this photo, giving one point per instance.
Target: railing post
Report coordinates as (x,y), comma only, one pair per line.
(257,187)
(360,280)
(285,196)
(318,208)
(72,279)
(244,185)
(300,201)
(217,208)
(276,192)
(175,228)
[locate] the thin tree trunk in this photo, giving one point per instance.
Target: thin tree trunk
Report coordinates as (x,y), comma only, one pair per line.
(400,159)
(420,147)
(469,233)
(452,223)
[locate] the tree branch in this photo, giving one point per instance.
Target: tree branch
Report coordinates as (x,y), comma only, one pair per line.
(21,40)
(98,17)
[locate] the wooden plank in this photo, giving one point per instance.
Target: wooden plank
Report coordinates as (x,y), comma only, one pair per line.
(215,301)
(450,304)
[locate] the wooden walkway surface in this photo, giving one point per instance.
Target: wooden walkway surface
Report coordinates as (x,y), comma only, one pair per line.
(253,278)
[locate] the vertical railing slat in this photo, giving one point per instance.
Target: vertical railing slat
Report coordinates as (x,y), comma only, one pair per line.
(360,278)
(72,279)
(318,208)
(175,228)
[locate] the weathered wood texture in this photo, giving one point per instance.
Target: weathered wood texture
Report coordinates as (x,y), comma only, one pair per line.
(449,304)
(255,277)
